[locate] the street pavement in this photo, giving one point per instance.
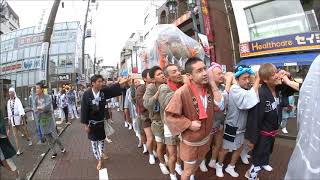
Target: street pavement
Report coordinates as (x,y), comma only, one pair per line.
(127,161)
(32,155)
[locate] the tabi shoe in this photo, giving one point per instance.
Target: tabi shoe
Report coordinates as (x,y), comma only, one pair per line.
(126,125)
(164,169)
(230,170)
(284,130)
(212,163)
(19,153)
(130,126)
(173,177)
(145,149)
(248,174)
(219,170)
(192,177)
(244,158)
(140,144)
(63,150)
(151,159)
(267,168)
(203,166)
(178,169)
(54,155)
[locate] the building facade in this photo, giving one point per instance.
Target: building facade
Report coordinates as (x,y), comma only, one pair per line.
(21,62)
(9,20)
(282,32)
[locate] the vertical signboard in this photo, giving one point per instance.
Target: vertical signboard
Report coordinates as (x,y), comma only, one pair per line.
(43,61)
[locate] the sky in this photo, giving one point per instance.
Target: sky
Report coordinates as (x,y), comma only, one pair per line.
(114,21)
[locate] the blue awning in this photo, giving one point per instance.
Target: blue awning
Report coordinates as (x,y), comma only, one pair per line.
(282,60)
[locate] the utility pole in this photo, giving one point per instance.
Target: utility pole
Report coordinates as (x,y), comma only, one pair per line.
(47,37)
(84,36)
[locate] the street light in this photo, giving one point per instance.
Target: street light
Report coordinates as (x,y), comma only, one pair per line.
(192,5)
(172,6)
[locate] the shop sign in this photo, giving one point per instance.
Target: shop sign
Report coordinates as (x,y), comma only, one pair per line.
(64,77)
(294,42)
(13,67)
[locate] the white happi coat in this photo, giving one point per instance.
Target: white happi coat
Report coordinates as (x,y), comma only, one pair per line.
(15,119)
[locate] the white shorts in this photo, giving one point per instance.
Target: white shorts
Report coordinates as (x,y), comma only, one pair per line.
(159,139)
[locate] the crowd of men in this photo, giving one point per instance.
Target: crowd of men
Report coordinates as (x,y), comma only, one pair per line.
(178,116)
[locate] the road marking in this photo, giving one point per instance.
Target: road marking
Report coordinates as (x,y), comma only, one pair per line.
(103,174)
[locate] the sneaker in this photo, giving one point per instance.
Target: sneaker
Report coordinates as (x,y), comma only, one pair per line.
(30,143)
(230,170)
(140,144)
(178,169)
(155,154)
(203,166)
(126,125)
(173,177)
(63,150)
(152,159)
(244,157)
(54,155)
(118,109)
(145,149)
(166,159)
(219,171)
(22,135)
(130,126)
(284,130)
(39,143)
(192,177)
(267,168)
(212,164)
(164,169)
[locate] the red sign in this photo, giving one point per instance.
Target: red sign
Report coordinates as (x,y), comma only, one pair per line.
(11,67)
(206,19)
(30,40)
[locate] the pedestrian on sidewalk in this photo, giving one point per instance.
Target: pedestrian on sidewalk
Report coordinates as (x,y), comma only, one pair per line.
(32,105)
(264,118)
(64,106)
(7,151)
(71,101)
(93,113)
(16,119)
(287,113)
(44,111)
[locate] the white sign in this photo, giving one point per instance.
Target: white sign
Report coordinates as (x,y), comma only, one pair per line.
(64,77)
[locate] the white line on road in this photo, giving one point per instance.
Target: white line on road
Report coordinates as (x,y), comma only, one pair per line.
(103,174)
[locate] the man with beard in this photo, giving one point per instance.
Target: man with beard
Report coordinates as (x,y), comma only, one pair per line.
(166,91)
(151,102)
(93,113)
(190,113)
(264,119)
(241,99)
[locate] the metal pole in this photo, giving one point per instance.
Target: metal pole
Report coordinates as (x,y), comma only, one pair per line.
(47,35)
(200,17)
(84,36)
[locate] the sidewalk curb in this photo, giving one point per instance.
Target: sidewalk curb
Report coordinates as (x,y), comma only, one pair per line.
(29,177)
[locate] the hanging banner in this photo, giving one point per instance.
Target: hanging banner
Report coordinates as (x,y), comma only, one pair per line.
(206,19)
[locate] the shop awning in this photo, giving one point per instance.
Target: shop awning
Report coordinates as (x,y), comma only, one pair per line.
(282,60)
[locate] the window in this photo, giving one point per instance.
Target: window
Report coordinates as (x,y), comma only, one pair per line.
(27,52)
(20,54)
(57,27)
(62,48)
(3,57)
(24,32)
(18,33)
(33,51)
(13,35)
(54,59)
(9,57)
(71,47)
(39,50)
(276,18)
(72,25)
(15,55)
(54,49)
(62,60)
(69,60)
(64,26)
(31,30)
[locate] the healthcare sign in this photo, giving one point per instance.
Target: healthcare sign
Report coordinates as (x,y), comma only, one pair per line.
(294,42)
